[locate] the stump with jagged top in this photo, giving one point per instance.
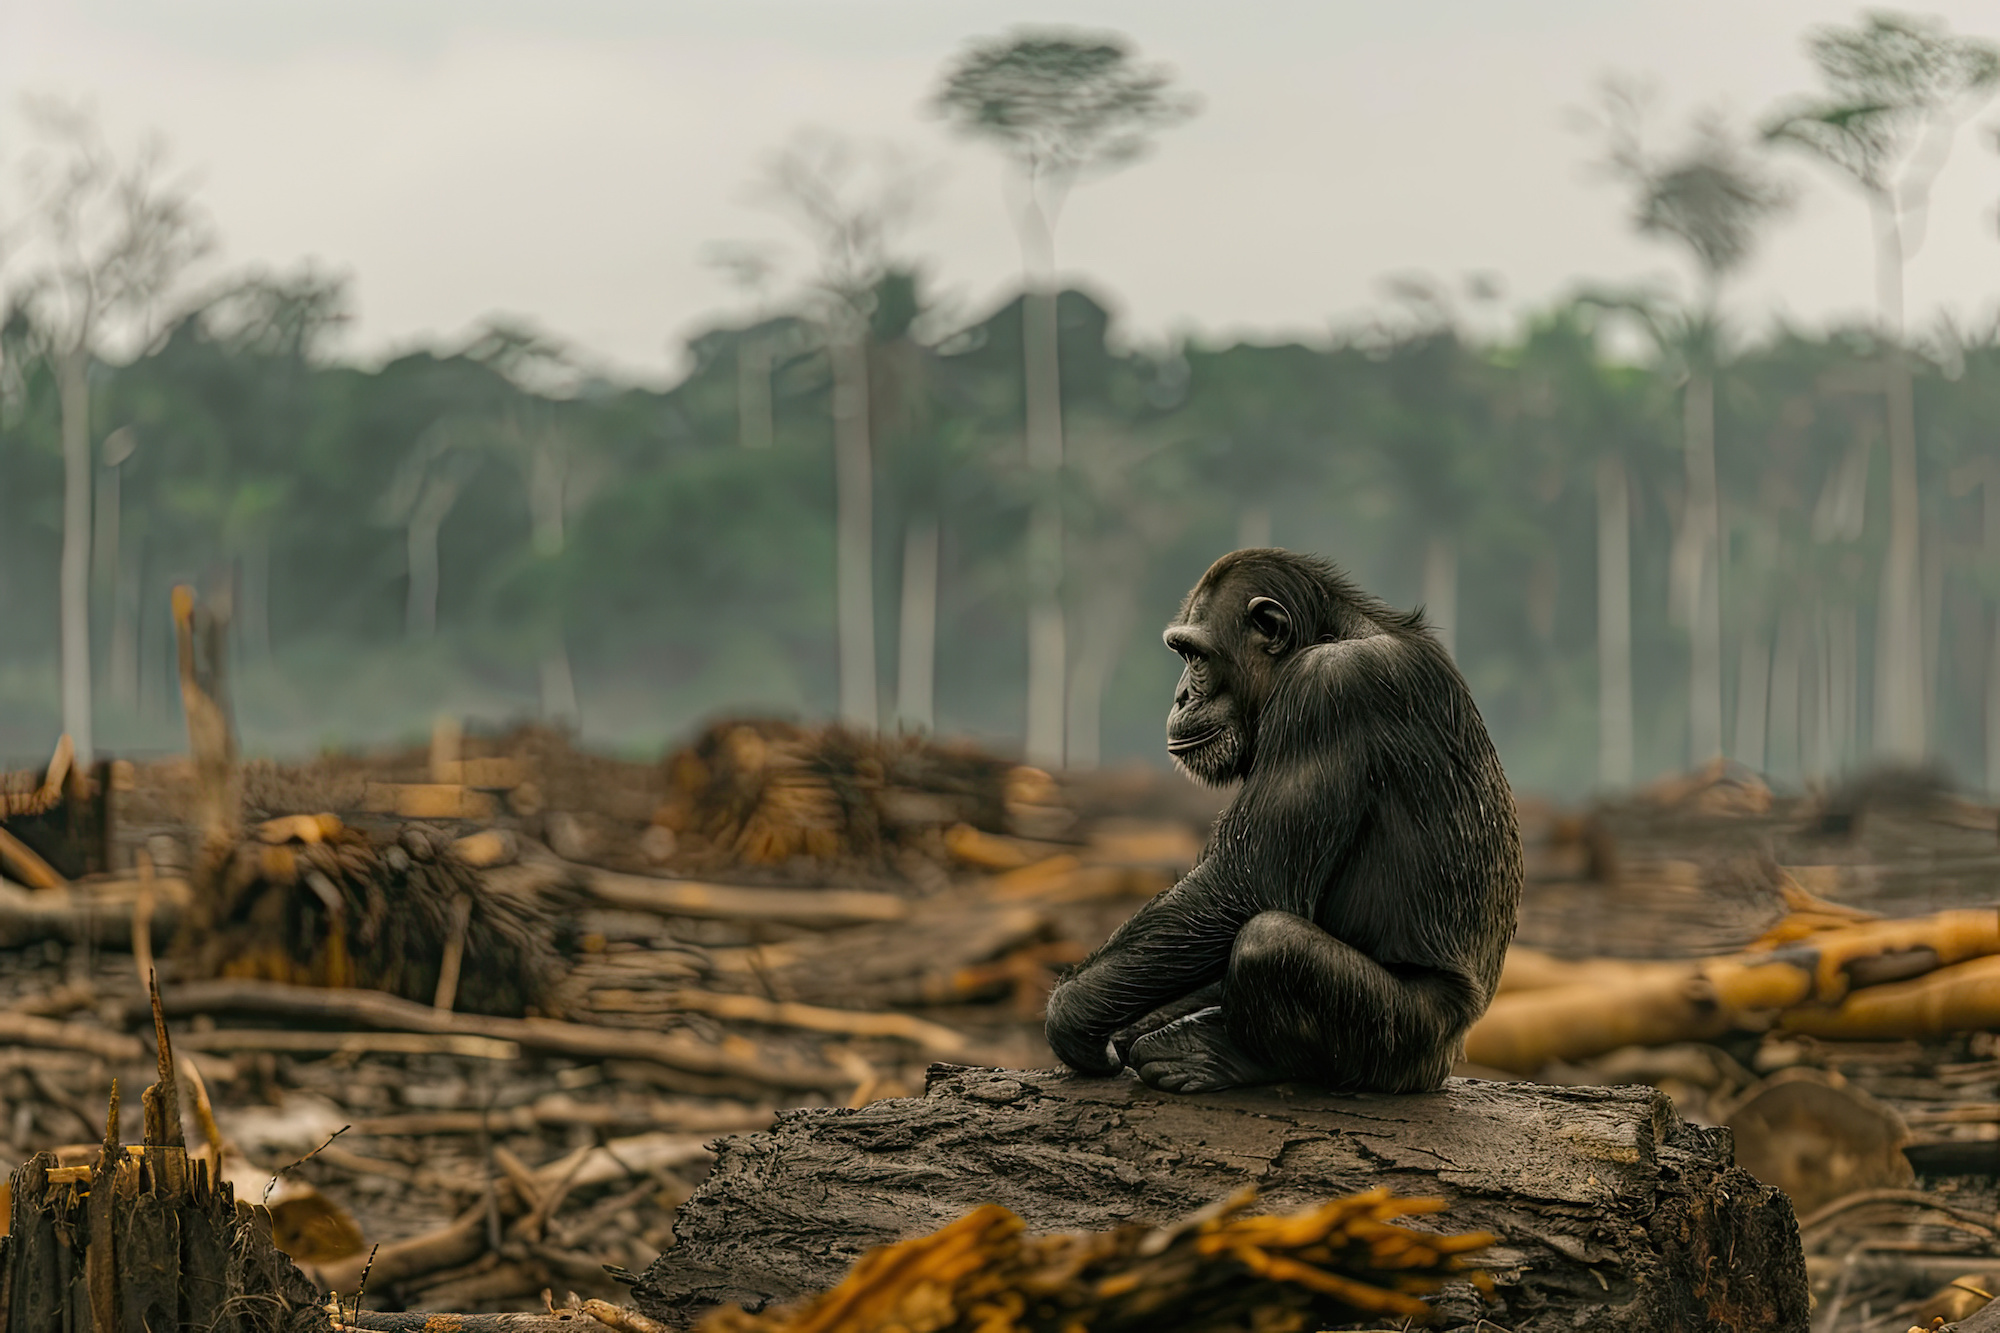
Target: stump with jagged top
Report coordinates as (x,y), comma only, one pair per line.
(145,1238)
(1611,1212)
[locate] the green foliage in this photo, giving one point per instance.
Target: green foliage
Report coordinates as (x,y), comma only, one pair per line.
(1063,105)
(695,575)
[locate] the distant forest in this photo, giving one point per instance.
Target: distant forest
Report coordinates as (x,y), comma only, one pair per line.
(1783,548)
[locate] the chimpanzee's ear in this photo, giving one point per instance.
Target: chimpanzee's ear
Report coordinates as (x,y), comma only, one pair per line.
(1270,624)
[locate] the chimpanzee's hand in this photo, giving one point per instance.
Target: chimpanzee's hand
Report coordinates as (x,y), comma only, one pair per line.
(1077,1044)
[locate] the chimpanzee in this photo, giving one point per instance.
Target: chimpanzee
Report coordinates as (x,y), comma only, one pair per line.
(1346,922)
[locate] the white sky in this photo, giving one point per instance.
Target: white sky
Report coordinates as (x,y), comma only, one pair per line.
(570,161)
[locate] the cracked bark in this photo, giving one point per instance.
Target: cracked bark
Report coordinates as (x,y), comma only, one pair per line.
(1612,1211)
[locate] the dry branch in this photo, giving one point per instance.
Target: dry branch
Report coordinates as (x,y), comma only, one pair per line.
(379,1010)
(26,865)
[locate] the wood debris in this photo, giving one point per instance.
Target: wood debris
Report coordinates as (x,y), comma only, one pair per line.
(1221,1268)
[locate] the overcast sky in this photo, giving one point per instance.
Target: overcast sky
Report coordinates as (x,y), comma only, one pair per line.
(571,161)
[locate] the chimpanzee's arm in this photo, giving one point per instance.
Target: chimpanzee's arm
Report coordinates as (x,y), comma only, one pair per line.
(1275,848)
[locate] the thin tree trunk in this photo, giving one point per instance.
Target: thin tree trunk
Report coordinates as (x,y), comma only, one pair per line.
(1931,655)
(123,674)
(1993,707)
(548,502)
(1107,629)
(1899,705)
(1990,536)
(1815,711)
(1845,663)
(1048,652)
(1782,756)
(104,537)
(753,391)
(254,618)
(420,541)
(1753,696)
(1614,624)
(1253,527)
(73,386)
(854,528)
(558,687)
(1704,522)
(1441,590)
(1899,671)
(916,637)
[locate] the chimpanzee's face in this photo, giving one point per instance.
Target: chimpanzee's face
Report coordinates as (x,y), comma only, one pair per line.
(1231,644)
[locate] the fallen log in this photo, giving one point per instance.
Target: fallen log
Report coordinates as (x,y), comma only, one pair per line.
(102,917)
(379,1010)
(1610,1211)
(368,1321)
(19,1029)
(730,902)
(1531,1024)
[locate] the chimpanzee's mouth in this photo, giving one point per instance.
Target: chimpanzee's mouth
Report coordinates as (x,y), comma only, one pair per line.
(1186,743)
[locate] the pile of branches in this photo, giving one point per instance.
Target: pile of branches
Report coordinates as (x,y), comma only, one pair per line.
(308,900)
(765,793)
(1215,1269)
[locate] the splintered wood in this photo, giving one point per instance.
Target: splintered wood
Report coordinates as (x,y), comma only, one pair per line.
(1219,1269)
(145,1236)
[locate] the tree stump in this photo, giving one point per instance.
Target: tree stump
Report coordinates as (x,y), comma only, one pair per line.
(145,1239)
(1612,1211)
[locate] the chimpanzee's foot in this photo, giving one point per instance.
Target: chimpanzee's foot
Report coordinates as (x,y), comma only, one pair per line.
(1195,1054)
(1126,1037)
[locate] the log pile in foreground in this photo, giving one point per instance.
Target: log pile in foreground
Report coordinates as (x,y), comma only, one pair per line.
(1609,1210)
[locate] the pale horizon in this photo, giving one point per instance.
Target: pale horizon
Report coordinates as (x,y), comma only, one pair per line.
(572,164)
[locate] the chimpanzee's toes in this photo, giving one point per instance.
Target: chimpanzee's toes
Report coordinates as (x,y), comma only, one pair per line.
(1188,1055)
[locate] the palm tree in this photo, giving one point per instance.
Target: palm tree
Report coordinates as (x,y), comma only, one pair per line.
(1063,107)
(1710,199)
(1896,90)
(851,203)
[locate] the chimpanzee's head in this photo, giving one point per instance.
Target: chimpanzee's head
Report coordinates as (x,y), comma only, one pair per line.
(1247,617)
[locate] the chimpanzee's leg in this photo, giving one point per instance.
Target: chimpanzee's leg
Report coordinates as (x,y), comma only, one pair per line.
(1300,1004)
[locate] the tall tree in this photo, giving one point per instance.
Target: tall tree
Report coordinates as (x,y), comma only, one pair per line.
(1709,198)
(559,470)
(1063,107)
(107,241)
(902,377)
(1896,89)
(851,203)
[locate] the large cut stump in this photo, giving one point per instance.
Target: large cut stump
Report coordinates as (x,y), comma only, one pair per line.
(1612,1211)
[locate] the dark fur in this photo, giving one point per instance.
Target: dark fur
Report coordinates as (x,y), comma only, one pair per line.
(1347,921)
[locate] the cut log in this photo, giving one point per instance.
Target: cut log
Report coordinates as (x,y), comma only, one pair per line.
(102,917)
(819,908)
(1612,1212)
